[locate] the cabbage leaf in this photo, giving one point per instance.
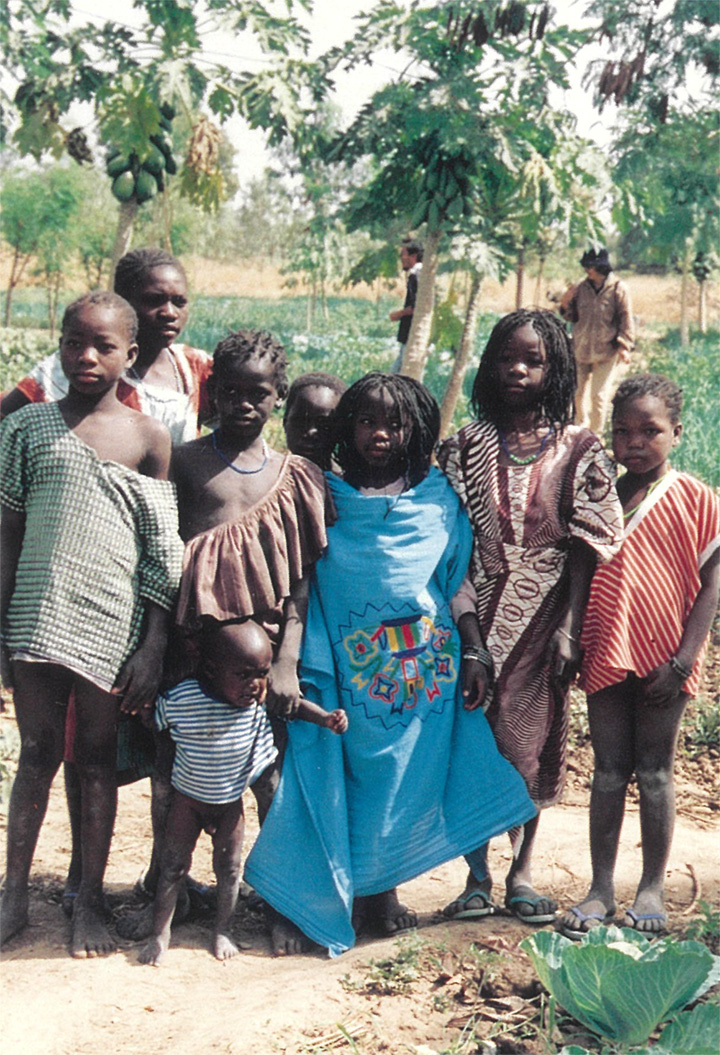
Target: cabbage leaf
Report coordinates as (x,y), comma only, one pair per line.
(617,982)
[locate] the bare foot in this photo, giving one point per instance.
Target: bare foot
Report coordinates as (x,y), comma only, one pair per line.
(224,947)
(648,914)
(285,937)
(90,936)
(137,926)
(152,953)
(388,915)
(13,914)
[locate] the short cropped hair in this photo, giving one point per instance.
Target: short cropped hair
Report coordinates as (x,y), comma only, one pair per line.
(663,388)
(133,269)
(315,379)
(413,247)
(419,412)
(557,397)
(104,299)
(243,345)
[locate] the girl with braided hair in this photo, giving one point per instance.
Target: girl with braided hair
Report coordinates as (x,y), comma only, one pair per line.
(541,499)
(402,791)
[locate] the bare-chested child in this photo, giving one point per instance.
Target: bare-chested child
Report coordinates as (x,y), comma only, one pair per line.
(91,565)
(223,741)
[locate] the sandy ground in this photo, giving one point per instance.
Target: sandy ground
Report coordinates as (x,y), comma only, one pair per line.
(259,1005)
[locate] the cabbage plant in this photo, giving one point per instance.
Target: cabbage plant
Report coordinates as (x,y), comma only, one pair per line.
(617,982)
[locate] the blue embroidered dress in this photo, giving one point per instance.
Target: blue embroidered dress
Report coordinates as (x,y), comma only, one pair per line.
(416,780)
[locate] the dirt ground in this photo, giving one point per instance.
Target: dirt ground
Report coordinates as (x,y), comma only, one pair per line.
(418,996)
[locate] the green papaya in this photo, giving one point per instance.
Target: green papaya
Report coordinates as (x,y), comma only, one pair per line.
(123,186)
(165,125)
(162,143)
(170,165)
(155,161)
(145,186)
(167,110)
(117,164)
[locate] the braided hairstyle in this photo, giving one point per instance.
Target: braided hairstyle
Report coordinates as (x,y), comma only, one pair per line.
(657,385)
(133,270)
(104,299)
(419,413)
(315,379)
(243,345)
(557,397)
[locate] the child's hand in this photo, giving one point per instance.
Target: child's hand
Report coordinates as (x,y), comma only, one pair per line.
(476,680)
(566,656)
(283,691)
(662,685)
(337,722)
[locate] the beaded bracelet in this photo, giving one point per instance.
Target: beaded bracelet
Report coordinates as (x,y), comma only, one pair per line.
(481,655)
(679,668)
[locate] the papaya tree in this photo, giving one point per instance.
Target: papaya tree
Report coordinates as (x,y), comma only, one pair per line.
(433,130)
(136,79)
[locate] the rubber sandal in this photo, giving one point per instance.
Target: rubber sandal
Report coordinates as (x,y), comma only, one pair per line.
(640,917)
(532,899)
(487,906)
(577,933)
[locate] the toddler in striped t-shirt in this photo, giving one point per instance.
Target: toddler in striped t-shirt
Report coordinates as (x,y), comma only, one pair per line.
(223,742)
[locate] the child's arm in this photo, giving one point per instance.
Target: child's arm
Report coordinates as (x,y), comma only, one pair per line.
(477,670)
(565,642)
(12,532)
(139,679)
(283,687)
(663,684)
(336,721)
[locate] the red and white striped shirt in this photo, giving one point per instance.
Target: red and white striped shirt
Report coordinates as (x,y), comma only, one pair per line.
(640,601)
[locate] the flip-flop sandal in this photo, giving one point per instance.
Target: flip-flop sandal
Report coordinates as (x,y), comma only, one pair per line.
(577,933)
(533,918)
(640,917)
(487,906)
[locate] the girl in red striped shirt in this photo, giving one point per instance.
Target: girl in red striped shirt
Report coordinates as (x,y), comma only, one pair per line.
(644,637)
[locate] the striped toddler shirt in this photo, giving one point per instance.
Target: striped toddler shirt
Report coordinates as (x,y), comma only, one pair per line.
(220,749)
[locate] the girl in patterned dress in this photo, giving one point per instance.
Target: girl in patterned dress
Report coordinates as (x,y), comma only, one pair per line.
(91,564)
(540,496)
(644,637)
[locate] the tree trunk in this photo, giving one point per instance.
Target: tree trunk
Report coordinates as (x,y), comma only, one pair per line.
(520,277)
(467,341)
(538,284)
(702,308)
(685,296)
(416,349)
(18,266)
(123,234)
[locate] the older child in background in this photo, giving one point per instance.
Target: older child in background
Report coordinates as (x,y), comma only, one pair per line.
(417,779)
(542,504)
(644,637)
(91,564)
(223,742)
(168,380)
(309,415)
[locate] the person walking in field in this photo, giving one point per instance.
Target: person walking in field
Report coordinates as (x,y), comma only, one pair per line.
(603,336)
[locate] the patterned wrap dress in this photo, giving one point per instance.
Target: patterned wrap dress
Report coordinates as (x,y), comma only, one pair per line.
(524,518)
(640,602)
(99,541)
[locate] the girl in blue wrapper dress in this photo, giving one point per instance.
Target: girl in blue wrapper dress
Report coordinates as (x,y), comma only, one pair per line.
(417,779)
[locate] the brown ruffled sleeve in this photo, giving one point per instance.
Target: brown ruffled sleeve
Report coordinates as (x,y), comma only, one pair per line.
(250,565)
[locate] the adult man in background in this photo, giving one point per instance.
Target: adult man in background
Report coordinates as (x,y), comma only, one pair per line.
(411,254)
(603,335)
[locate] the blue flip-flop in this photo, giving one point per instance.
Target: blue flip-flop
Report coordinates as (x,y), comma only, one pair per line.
(577,933)
(486,907)
(530,898)
(640,917)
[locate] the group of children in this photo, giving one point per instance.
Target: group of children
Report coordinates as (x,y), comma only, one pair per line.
(397,639)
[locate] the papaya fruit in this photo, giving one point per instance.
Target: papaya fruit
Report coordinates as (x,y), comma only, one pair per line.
(123,186)
(167,110)
(155,161)
(116,164)
(145,186)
